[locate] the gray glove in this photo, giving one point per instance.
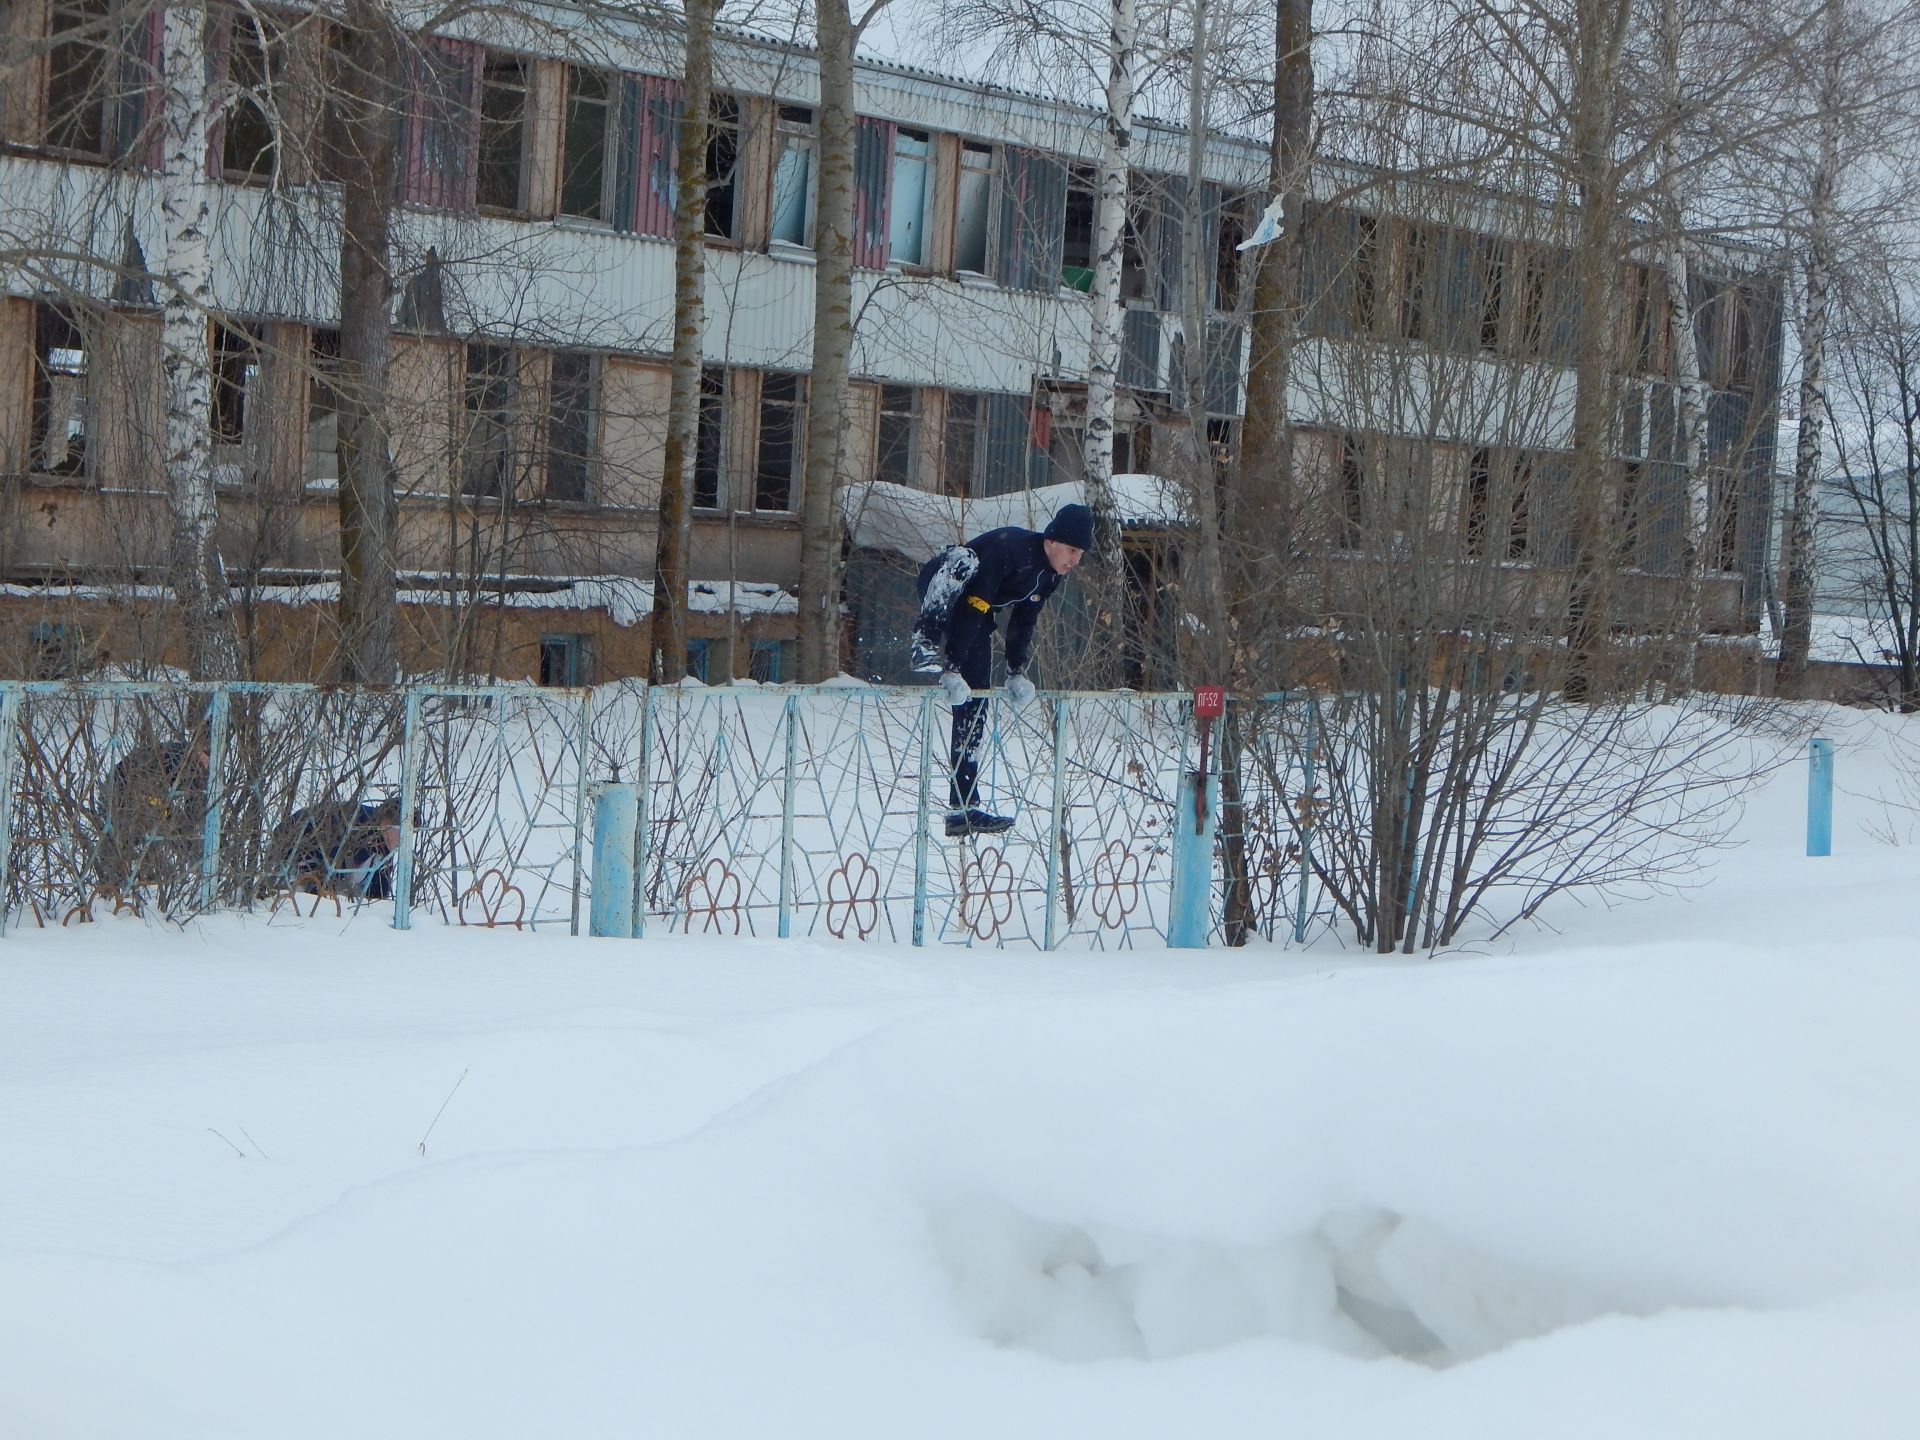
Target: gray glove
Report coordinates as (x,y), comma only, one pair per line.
(1019,691)
(957,689)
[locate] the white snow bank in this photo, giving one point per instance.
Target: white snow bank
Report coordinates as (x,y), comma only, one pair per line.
(915,523)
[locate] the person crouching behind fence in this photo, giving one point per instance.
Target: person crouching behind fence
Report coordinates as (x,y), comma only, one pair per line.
(963,589)
(344,847)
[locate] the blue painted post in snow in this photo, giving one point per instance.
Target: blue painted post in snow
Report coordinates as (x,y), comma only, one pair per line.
(1820,797)
(616,815)
(1192,917)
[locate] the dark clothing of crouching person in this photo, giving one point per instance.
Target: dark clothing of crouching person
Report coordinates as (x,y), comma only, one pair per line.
(963,591)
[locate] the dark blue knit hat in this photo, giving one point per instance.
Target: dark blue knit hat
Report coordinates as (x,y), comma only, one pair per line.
(1072,525)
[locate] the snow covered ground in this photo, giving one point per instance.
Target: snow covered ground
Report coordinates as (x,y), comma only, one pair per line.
(1641,1172)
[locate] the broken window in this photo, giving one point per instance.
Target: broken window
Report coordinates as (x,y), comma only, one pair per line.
(584,169)
(62,408)
(487,455)
(323,409)
(907,224)
(899,422)
(1520,516)
(709,451)
(961,448)
(723,167)
(872,186)
(782,441)
(503,132)
(236,389)
(658,104)
(570,426)
(1477,501)
(973,208)
(793,196)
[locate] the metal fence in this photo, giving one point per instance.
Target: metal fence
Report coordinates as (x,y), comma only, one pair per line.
(763,810)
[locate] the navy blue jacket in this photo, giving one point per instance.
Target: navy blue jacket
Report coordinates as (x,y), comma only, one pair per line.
(965,588)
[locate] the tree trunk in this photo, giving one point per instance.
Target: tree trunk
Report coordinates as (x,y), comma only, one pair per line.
(1599,35)
(1804,514)
(198,575)
(369,93)
(668,661)
(1260,512)
(832,352)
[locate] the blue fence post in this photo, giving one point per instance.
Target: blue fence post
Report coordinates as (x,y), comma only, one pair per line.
(210,830)
(1055,822)
(409,778)
(9,723)
(1193,862)
(1306,825)
(787,781)
(614,807)
(1819,797)
(920,819)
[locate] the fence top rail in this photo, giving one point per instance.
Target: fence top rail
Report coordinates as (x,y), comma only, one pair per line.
(527,689)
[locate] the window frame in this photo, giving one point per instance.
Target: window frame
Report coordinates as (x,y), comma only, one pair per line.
(489,414)
(928,163)
(46,317)
(521,123)
(990,184)
(794,406)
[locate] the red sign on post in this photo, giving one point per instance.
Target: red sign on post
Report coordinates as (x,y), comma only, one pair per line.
(1209,701)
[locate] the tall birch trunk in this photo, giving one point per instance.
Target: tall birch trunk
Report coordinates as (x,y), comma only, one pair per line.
(370,94)
(1261,501)
(198,575)
(1804,512)
(668,661)
(1689,391)
(827,390)
(1600,33)
(1103,571)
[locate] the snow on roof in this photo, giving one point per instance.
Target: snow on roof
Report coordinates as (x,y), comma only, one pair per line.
(626,600)
(917,523)
(1846,640)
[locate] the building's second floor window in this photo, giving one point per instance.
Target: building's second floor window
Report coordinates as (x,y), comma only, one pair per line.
(250,62)
(895,434)
(782,452)
(488,412)
(586,178)
(440,140)
(571,423)
(239,410)
(503,133)
(973,208)
(961,448)
(90,87)
(710,444)
(62,423)
(323,409)
(793,182)
(723,168)
(912,197)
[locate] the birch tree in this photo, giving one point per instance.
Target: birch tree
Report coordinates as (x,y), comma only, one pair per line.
(369,86)
(668,659)
(199,576)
